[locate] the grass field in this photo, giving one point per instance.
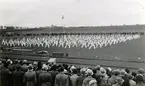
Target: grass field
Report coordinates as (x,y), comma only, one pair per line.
(130,54)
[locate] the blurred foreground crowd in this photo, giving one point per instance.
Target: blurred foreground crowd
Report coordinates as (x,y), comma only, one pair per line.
(24,73)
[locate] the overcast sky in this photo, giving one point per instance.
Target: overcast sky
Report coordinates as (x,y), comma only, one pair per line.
(76,12)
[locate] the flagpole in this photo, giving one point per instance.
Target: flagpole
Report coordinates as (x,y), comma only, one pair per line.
(62,18)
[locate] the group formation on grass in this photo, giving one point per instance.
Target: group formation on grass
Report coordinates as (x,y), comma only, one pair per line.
(69,41)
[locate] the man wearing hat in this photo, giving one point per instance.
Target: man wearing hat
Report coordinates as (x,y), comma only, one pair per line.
(18,76)
(45,78)
(79,80)
(24,66)
(61,79)
(139,80)
(30,76)
(119,81)
(35,65)
(142,72)
(89,79)
(131,81)
(115,74)
(53,73)
(73,77)
(5,74)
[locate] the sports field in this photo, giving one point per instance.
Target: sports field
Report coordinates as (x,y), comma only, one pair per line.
(129,54)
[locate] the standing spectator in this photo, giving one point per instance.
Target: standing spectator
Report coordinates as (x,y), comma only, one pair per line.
(73,77)
(126,80)
(45,78)
(11,68)
(104,80)
(122,73)
(61,78)
(30,76)
(115,74)
(119,82)
(53,73)
(35,65)
(79,80)
(139,80)
(142,71)
(89,80)
(16,63)
(18,76)
(24,66)
(38,72)
(127,70)
(5,75)
(131,81)
(134,75)
(98,75)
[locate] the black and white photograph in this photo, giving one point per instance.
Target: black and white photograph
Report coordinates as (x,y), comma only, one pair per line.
(72,42)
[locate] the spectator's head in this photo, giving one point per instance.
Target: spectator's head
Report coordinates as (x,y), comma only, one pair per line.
(78,70)
(35,63)
(103,71)
(122,72)
(16,61)
(18,67)
(119,80)
(9,61)
(45,68)
(71,68)
(65,71)
(65,66)
(83,71)
(134,74)
(116,72)
(126,77)
(109,72)
(89,72)
(130,76)
(127,70)
(109,69)
(58,65)
(30,66)
(24,61)
(61,69)
(94,71)
(3,61)
(141,71)
(21,62)
(139,78)
(6,64)
(74,71)
(98,67)
(53,68)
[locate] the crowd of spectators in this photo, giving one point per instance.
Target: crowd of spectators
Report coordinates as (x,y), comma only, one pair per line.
(23,73)
(69,41)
